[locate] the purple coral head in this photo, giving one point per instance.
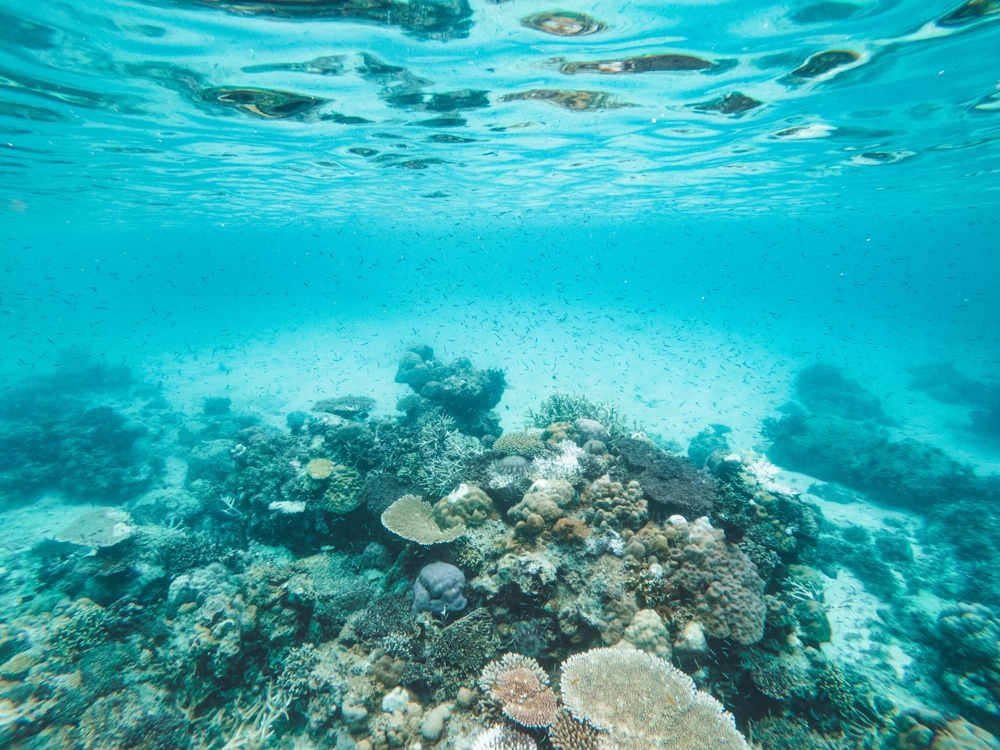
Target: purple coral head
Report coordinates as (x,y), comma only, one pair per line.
(439,589)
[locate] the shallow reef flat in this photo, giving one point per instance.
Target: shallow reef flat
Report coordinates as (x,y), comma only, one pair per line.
(365,579)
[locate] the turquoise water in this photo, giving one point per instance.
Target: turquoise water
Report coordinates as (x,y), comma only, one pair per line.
(678,323)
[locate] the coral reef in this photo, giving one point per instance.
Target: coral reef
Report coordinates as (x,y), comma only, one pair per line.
(969,640)
(463,392)
(381,581)
(824,389)
(865,457)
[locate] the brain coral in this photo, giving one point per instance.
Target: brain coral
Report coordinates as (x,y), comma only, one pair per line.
(644,703)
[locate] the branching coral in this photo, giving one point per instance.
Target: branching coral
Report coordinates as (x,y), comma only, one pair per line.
(503,738)
(568,733)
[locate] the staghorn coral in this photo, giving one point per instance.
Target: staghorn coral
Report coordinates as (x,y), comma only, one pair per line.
(413,519)
(643,703)
(521,688)
(609,505)
(445,455)
(561,407)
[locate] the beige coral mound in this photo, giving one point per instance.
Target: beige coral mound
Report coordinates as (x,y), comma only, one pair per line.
(521,687)
(643,703)
(413,519)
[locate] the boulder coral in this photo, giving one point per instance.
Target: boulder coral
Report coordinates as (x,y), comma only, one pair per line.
(611,505)
(466,506)
(545,503)
(727,592)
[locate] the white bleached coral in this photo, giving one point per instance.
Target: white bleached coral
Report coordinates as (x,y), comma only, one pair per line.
(503,738)
(563,463)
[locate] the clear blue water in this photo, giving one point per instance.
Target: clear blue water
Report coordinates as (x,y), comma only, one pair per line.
(674,208)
